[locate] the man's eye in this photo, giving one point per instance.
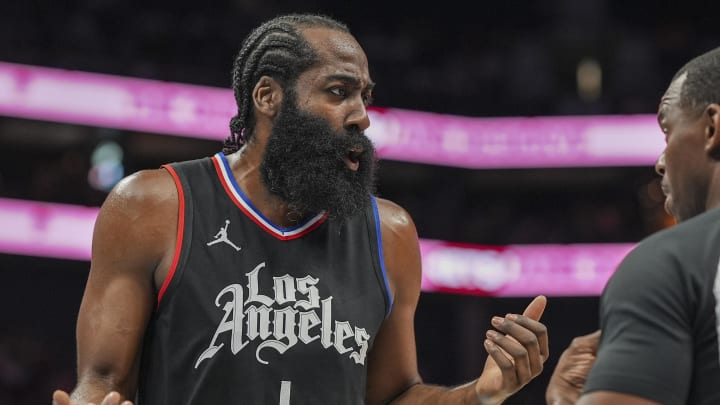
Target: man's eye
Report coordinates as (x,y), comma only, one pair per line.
(338,91)
(367,99)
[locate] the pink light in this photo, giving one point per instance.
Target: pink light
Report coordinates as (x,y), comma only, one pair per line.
(115,102)
(204,112)
(44,229)
(519,270)
(65,231)
(518,142)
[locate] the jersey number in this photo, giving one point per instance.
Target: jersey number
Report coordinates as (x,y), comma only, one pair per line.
(285,392)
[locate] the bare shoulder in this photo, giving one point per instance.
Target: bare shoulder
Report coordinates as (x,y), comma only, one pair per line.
(395,221)
(137,223)
(143,189)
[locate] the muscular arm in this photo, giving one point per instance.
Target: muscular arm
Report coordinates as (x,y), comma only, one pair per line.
(392,365)
(134,236)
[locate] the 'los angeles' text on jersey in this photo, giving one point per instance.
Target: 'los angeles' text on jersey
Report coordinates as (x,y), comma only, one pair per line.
(288,313)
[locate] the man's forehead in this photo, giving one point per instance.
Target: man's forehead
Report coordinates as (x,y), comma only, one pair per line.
(335,44)
(339,52)
(332,41)
(671,98)
(673,92)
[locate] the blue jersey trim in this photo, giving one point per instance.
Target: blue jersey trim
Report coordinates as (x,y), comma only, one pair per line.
(281,230)
(381,256)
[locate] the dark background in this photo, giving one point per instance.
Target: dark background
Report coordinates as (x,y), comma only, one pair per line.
(504,58)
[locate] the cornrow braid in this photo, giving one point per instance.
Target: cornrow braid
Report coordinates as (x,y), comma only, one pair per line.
(276,49)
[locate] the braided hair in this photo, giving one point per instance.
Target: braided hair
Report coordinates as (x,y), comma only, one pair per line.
(276,49)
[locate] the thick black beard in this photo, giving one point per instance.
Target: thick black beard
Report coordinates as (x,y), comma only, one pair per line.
(303,164)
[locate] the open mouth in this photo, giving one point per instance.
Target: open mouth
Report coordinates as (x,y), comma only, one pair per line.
(352,158)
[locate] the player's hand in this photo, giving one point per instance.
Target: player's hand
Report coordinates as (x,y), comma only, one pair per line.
(113,398)
(516,353)
(572,370)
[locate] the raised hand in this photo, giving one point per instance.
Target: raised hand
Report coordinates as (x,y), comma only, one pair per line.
(517,351)
(572,370)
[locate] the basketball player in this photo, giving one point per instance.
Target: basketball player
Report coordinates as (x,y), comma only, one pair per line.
(270,274)
(659,312)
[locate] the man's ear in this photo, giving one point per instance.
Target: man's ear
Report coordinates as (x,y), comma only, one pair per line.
(267,96)
(712,126)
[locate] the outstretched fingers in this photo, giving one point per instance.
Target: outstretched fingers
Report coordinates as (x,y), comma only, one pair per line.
(61,397)
(517,355)
(113,398)
(507,366)
(522,346)
(530,333)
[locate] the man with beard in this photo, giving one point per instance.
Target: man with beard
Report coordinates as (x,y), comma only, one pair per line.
(660,311)
(270,274)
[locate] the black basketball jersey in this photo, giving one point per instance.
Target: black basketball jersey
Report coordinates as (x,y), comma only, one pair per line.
(253,313)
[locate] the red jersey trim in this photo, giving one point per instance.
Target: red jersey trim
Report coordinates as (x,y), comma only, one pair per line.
(180,232)
(238,198)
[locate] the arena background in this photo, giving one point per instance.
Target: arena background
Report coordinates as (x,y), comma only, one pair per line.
(555,58)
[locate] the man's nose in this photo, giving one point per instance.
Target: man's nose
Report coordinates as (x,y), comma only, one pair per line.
(660,164)
(358,117)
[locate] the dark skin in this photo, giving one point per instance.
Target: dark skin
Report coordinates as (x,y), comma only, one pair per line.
(134,242)
(571,372)
(690,170)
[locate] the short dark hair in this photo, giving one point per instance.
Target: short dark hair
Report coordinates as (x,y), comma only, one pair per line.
(702,84)
(276,49)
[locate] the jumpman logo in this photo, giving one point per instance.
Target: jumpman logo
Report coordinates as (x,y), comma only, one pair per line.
(222,236)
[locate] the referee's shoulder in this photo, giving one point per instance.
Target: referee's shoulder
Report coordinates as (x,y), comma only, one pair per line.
(685,239)
(702,225)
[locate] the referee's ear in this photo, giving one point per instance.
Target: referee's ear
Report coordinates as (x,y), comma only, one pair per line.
(712,128)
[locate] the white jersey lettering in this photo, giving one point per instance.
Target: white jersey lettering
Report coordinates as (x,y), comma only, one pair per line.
(293,313)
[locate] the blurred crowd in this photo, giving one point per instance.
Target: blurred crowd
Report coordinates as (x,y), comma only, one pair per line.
(508,58)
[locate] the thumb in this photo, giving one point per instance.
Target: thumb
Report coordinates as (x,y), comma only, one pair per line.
(60,397)
(113,398)
(536,308)
(591,340)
